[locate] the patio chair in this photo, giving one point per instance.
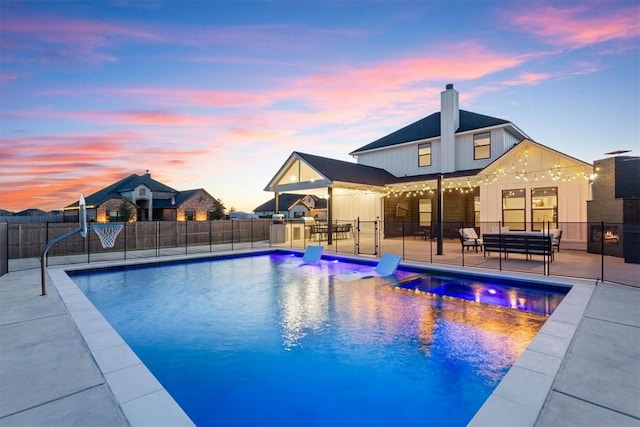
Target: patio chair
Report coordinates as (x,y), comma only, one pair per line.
(557,236)
(469,239)
(388,264)
(312,254)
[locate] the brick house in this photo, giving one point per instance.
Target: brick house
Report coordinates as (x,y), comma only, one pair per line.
(148,199)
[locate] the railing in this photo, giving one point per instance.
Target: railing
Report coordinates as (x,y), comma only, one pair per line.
(27,240)
(599,251)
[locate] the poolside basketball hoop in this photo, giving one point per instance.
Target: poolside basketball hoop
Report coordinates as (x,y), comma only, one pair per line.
(107,233)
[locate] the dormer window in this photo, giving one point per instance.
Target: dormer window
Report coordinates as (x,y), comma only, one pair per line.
(424,154)
(482,146)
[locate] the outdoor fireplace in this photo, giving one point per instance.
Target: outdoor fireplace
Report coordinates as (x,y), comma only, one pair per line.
(613,213)
(606,238)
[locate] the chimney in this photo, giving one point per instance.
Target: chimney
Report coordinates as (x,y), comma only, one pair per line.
(147,173)
(449,123)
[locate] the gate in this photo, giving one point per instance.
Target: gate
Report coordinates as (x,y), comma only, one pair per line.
(367,237)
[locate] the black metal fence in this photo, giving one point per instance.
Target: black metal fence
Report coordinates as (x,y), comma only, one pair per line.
(598,250)
(4,248)
(148,238)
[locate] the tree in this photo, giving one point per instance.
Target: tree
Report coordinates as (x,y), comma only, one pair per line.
(217,211)
(126,211)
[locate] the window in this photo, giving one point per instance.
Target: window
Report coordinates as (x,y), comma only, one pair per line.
(482,146)
(143,192)
(424,154)
(424,212)
(514,209)
(544,208)
(114,216)
(189,215)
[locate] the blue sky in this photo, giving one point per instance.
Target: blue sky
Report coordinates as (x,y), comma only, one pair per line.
(218,94)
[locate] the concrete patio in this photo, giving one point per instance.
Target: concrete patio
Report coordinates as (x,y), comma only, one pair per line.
(58,368)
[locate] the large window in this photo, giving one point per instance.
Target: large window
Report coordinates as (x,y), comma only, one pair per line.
(482,146)
(424,211)
(424,154)
(514,209)
(544,208)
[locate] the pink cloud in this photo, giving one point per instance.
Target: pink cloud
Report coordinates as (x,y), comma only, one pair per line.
(527,78)
(43,171)
(56,39)
(578,26)
(7,77)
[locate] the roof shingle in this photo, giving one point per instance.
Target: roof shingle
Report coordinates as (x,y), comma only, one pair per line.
(429,127)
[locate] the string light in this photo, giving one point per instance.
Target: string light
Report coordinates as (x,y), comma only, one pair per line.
(518,169)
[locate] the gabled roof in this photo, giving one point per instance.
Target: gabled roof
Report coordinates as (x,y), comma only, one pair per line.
(178,198)
(31,212)
(285,200)
(429,127)
(329,173)
(126,184)
(338,170)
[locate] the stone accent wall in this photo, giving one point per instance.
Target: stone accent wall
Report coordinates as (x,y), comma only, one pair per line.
(113,204)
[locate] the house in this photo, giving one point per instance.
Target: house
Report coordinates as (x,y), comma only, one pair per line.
(147,200)
(294,206)
(487,170)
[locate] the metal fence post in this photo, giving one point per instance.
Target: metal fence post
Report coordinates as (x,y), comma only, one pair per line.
(602,251)
(125,240)
(88,245)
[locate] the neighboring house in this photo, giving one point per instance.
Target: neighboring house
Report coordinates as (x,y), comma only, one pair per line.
(151,200)
(294,206)
(488,170)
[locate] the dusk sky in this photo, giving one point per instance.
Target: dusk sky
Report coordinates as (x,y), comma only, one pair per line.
(218,94)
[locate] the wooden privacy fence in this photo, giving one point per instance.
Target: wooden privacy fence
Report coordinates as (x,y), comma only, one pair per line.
(28,240)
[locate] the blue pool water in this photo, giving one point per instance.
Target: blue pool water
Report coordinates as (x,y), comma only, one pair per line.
(266,340)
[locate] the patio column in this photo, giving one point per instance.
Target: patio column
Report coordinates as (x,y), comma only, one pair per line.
(330,216)
(439,226)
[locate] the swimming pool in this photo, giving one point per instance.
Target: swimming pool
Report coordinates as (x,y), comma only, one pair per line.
(263,340)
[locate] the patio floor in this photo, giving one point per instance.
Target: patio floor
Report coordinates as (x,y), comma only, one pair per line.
(583,368)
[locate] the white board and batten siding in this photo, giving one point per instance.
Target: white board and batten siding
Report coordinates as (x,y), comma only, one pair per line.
(402,160)
(349,205)
(572,195)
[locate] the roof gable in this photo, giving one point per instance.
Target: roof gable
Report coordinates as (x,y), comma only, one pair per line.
(429,127)
(338,170)
(529,160)
(324,172)
(128,183)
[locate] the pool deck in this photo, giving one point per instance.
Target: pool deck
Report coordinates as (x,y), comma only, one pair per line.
(61,364)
